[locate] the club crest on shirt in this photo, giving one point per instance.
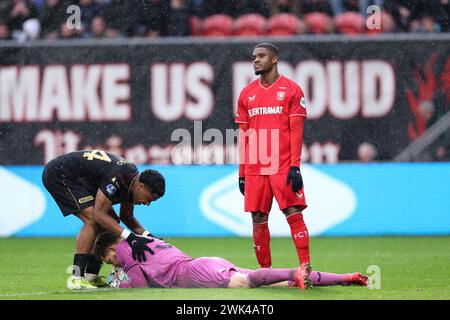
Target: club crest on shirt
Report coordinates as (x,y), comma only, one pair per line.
(280,95)
(110,189)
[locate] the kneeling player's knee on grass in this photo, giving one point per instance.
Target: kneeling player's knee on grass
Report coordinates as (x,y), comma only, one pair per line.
(239,280)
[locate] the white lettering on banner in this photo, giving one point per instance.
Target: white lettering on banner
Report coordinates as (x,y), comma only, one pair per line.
(343,88)
(114,92)
(55,94)
(77,93)
(380,75)
(167,100)
(346,89)
(198,77)
(85,99)
(19,94)
(182,90)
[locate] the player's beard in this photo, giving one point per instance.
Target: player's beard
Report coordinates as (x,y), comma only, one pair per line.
(263,71)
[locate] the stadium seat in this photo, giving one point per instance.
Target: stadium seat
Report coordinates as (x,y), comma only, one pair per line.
(250,25)
(319,23)
(350,23)
(195,23)
(218,25)
(283,24)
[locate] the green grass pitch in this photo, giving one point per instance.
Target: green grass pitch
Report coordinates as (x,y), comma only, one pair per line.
(411,268)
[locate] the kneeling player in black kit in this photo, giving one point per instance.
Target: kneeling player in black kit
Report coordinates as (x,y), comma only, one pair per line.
(87,184)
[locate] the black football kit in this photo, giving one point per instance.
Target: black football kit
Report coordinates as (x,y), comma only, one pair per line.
(74,179)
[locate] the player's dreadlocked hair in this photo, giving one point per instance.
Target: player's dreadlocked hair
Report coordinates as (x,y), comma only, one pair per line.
(103,242)
(268,46)
(154,181)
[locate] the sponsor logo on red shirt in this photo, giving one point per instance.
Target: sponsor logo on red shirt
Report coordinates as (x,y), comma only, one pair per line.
(265,110)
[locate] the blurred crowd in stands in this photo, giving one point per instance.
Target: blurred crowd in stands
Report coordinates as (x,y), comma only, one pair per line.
(23,20)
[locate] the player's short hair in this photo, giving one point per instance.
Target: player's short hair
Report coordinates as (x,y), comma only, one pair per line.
(268,46)
(154,181)
(103,242)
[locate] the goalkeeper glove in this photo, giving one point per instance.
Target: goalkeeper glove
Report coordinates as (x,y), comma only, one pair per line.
(139,246)
(242,185)
(295,177)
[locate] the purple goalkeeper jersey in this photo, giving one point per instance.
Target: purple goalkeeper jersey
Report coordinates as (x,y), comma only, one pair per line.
(169,267)
(160,269)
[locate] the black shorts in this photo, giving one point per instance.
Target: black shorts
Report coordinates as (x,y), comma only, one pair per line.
(71,196)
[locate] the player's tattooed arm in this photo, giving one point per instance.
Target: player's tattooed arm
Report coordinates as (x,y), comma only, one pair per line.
(101,215)
(127,217)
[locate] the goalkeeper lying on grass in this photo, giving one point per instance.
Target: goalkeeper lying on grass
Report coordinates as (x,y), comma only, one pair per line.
(168,267)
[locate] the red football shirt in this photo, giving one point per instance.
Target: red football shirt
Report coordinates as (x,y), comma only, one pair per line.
(267,111)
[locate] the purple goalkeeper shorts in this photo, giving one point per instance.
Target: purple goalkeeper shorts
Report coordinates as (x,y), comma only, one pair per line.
(207,272)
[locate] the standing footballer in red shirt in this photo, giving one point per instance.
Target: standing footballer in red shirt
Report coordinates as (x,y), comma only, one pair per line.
(271,113)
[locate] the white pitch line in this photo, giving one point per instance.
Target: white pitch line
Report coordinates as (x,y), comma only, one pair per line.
(26,294)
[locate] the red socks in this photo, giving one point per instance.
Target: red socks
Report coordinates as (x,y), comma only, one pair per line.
(261,244)
(261,240)
(300,236)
